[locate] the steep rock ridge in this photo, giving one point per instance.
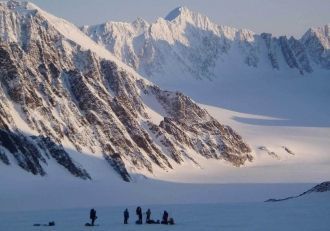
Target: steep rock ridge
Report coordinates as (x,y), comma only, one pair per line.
(192,126)
(294,54)
(59,88)
(317,42)
(27,155)
(61,156)
(4,158)
(32,152)
(186,43)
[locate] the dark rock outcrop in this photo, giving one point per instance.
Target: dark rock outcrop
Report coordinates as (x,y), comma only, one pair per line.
(320,188)
(4,158)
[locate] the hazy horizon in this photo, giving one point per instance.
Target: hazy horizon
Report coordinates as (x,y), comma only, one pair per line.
(292,18)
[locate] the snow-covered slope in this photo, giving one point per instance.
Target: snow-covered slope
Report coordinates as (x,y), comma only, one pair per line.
(62,94)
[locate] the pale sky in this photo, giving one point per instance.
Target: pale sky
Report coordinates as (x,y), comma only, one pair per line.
(279,17)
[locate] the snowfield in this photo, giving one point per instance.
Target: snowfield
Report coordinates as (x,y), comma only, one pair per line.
(269,110)
(308,213)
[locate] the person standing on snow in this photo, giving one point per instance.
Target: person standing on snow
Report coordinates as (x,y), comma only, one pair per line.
(165,218)
(92,216)
(126,216)
(148,216)
(139,214)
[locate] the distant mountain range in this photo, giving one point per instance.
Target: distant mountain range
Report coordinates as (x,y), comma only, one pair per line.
(188,44)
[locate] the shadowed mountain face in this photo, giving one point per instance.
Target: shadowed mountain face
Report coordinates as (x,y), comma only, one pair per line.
(58,89)
(32,152)
(186,43)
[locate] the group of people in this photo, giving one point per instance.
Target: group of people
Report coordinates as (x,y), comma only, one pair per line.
(165,219)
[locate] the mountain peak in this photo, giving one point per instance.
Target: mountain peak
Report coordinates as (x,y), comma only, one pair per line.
(23,11)
(177,12)
(325,30)
(18,5)
(140,22)
(183,15)
(320,34)
(15,5)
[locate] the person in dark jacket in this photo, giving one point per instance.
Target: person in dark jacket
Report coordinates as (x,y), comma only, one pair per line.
(171,221)
(126,216)
(149,220)
(139,214)
(92,216)
(148,216)
(165,218)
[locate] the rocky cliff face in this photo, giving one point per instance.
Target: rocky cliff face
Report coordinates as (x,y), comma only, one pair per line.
(59,88)
(317,43)
(186,43)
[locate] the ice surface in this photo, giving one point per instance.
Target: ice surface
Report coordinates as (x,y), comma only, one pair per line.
(310,213)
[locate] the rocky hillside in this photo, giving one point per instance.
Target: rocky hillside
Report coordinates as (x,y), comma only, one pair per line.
(186,43)
(60,91)
(320,188)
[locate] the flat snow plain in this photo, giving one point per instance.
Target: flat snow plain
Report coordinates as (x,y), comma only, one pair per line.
(307,213)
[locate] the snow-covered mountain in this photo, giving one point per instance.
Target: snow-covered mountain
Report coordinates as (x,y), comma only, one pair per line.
(61,92)
(273,90)
(317,44)
(186,43)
